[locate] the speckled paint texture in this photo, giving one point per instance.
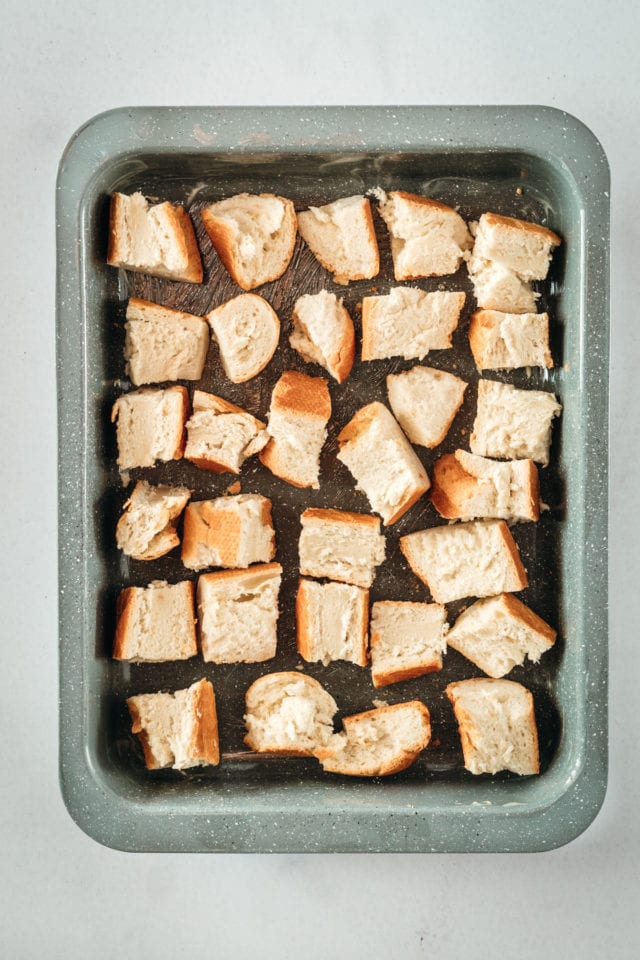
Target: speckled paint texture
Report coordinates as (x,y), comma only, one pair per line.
(532,162)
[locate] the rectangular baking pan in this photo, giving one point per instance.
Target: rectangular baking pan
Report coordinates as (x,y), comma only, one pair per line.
(533,162)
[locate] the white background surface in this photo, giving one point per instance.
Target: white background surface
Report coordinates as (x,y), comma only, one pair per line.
(61,895)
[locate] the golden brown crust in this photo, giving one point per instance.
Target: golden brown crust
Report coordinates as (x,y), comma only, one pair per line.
(270,458)
(205,742)
(368,315)
(521,611)
(382,678)
(364,632)
(302,395)
(124,613)
(181,432)
(359,423)
(517,565)
(400,762)
(341,516)
(218,405)
(449,477)
(304,639)
(222,237)
(498,220)
(480,327)
(194,272)
(115,208)
(343,365)
(534,490)
(215,527)
(423,201)
(150,760)
(242,574)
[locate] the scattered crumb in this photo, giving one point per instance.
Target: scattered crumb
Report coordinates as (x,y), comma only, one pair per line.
(380,703)
(519,191)
(299,666)
(435,743)
(566,367)
(544,506)
(234,487)
(125,476)
(464,431)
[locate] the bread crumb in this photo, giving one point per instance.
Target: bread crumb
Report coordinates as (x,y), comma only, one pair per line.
(380,703)
(519,191)
(125,477)
(234,487)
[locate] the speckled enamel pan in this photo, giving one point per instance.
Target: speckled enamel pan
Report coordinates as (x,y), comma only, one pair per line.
(532,162)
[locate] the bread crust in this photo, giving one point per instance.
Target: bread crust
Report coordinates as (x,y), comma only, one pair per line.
(401,761)
(246,573)
(205,740)
(150,760)
(383,678)
(368,310)
(222,237)
(301,395)
(516,562)
(201,526)
(125,607)
(304,641)
(349,519)
(466,726)
(498,220)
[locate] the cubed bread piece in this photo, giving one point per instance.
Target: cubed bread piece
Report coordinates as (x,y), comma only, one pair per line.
(178,730)
(150,425)
(221,436)
(246,329)
(428,239)
(496,288)
(323,333)
(507,341)
(342,237)
(288,713)
(254,236)
(298,416)
(497,633)
(147,528)
(477,559)
(497,725)
(156,239)
(379,742)
(467,487)
(424,402)
(332,621)
(238,614)
(228,532)
(163,344)
(340,546)
(407,640)
(408,323)
(520,246)
(507,255)
(513,424)
(156,623)
(382,461)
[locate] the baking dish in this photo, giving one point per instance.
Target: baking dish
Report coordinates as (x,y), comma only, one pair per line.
(534,162)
